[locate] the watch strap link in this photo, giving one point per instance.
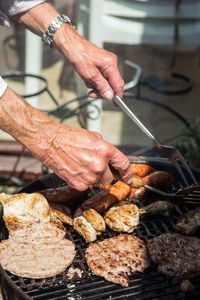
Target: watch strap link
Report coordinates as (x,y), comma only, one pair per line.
(47,37)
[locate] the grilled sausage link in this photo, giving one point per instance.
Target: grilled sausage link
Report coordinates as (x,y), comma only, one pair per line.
(64,195)
(159,179)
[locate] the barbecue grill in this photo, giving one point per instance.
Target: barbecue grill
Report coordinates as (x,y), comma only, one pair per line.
(142,286)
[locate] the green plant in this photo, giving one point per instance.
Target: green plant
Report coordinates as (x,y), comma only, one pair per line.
(188,143)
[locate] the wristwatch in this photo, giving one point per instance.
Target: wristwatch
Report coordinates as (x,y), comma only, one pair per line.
(47,37)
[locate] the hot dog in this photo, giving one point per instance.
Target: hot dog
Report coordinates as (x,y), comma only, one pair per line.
(64,195)
(159,179)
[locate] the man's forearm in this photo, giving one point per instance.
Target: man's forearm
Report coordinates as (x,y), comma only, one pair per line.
(25,123)
(38,18)
(96,66)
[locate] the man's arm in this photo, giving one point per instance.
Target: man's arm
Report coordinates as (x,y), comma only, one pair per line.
(96,66)
(78,156)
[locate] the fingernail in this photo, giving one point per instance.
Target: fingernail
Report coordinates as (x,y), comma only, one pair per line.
(108,95)
(129,181)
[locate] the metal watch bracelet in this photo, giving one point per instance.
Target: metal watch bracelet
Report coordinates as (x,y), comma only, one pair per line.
(47,37)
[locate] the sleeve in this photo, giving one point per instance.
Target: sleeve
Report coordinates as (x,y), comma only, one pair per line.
(3,86)
(14,7)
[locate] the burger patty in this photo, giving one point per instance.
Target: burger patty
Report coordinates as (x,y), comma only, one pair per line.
(177,255)
(118,257)
(37,251)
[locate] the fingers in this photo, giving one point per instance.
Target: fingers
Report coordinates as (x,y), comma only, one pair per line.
(93,94)
(121,163)
(99,84)
(111,72)
(105,80)
(107,177)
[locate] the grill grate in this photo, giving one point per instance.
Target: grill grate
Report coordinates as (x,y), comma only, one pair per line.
(142,286)
(149,285)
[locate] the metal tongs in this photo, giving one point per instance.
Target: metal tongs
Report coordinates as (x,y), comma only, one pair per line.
(171,153)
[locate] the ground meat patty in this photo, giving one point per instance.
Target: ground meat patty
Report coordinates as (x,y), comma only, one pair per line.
(37,251)
(177,255)
(118,257)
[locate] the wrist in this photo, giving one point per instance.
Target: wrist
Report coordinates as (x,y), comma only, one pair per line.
(54,26)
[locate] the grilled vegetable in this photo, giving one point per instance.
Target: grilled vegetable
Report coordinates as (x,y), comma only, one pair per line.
(106,198)
(122,217)
(61,212)
(190,222)
(85,229)
(88,224)
(95,219)
(142,170)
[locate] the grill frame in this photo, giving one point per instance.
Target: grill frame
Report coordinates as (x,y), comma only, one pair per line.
(15,288)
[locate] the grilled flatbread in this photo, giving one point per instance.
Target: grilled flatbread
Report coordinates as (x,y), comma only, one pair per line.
(22,209)
(37,251)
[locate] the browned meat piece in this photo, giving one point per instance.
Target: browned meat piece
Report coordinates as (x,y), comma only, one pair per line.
(117,258)
(177,255)
(37,251)
(189,223)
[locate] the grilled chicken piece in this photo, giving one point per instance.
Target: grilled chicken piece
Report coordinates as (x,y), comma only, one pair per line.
(123,217)
(189,223)
(117,258)
(176,255)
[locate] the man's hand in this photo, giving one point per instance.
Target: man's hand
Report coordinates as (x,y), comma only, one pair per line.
(96,66)
(82,158)
(78,156)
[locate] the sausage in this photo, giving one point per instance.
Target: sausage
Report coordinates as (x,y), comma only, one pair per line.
(106,198)
(142,170)
(64,195)
(100,202)
(158,179)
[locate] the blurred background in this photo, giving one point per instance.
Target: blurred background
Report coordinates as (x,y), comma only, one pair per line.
(158,46)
